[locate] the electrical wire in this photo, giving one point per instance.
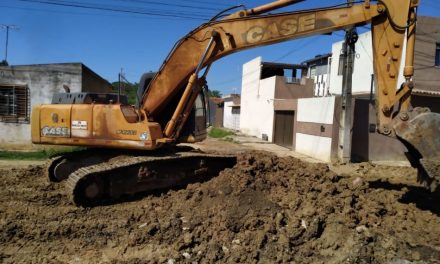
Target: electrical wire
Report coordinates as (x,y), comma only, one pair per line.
(113,9)
(207,3)
(85,13)
(167,4)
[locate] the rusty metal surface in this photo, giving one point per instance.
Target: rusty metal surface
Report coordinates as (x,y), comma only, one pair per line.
(421,135)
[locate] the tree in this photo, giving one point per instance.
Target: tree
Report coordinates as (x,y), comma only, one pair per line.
(129,89)
(214,93)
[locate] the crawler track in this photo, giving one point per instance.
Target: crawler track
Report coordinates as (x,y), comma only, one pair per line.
(92,185)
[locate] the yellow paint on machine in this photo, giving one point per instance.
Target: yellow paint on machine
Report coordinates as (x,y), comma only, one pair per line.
(92,125)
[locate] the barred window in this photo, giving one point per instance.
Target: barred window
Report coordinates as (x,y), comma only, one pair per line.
(14,104)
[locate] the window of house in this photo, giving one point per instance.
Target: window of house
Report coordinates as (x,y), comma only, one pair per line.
(14,104)
(437,54)
(312,72)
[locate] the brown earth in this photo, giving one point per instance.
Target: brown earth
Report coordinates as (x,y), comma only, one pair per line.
(266,209)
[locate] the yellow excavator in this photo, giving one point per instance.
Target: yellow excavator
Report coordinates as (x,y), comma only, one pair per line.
(130,145)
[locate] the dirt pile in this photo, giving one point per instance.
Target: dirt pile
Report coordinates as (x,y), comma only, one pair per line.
(266,209)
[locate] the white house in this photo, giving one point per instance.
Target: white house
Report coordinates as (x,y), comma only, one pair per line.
(231,111)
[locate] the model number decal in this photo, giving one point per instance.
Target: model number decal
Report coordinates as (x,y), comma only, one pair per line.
(126,132)
(55,131)
(77,124)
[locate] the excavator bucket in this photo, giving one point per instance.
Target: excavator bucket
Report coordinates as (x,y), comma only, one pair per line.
(421,135)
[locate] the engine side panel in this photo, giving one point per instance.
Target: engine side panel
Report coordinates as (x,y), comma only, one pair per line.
(91,125)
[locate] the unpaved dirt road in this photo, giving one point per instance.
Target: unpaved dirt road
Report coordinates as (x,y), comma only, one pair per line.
(266,209)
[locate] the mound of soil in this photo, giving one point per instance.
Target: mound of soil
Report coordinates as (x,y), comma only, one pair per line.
(266,209)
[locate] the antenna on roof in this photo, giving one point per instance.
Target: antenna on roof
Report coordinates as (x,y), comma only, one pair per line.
(7,27)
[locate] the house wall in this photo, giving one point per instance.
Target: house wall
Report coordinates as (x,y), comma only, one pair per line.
(316,135)
(319,75)
(285,90)
(372,146)
(363,66)
(256,117)
(231,117)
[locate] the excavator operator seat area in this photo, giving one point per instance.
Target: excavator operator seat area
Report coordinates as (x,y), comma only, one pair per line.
(130,113)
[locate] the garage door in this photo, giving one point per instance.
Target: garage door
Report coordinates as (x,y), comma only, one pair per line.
(284,128)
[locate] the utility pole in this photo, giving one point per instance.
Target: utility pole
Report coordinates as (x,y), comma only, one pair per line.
(346,119)
(121,77)
(7,27)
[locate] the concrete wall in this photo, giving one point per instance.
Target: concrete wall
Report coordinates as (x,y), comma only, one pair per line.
(284,90)
(231,114)
(43,81)
(319,75)
(363,66)
(315,133)
(372,146)
(256,117)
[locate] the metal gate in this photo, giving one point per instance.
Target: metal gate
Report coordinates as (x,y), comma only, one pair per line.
(283,130)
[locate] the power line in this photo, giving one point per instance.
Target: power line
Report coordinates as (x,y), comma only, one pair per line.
(113,9)
(167,4)
(292,51)
(92,13)
(208,3)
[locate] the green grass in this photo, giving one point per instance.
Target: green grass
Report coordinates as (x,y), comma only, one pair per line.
(216,132)
(34,155)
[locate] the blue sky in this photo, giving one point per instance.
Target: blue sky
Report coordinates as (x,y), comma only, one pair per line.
(108,41)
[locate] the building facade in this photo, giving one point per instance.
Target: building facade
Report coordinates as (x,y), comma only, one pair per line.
(318,69)
(269,97)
